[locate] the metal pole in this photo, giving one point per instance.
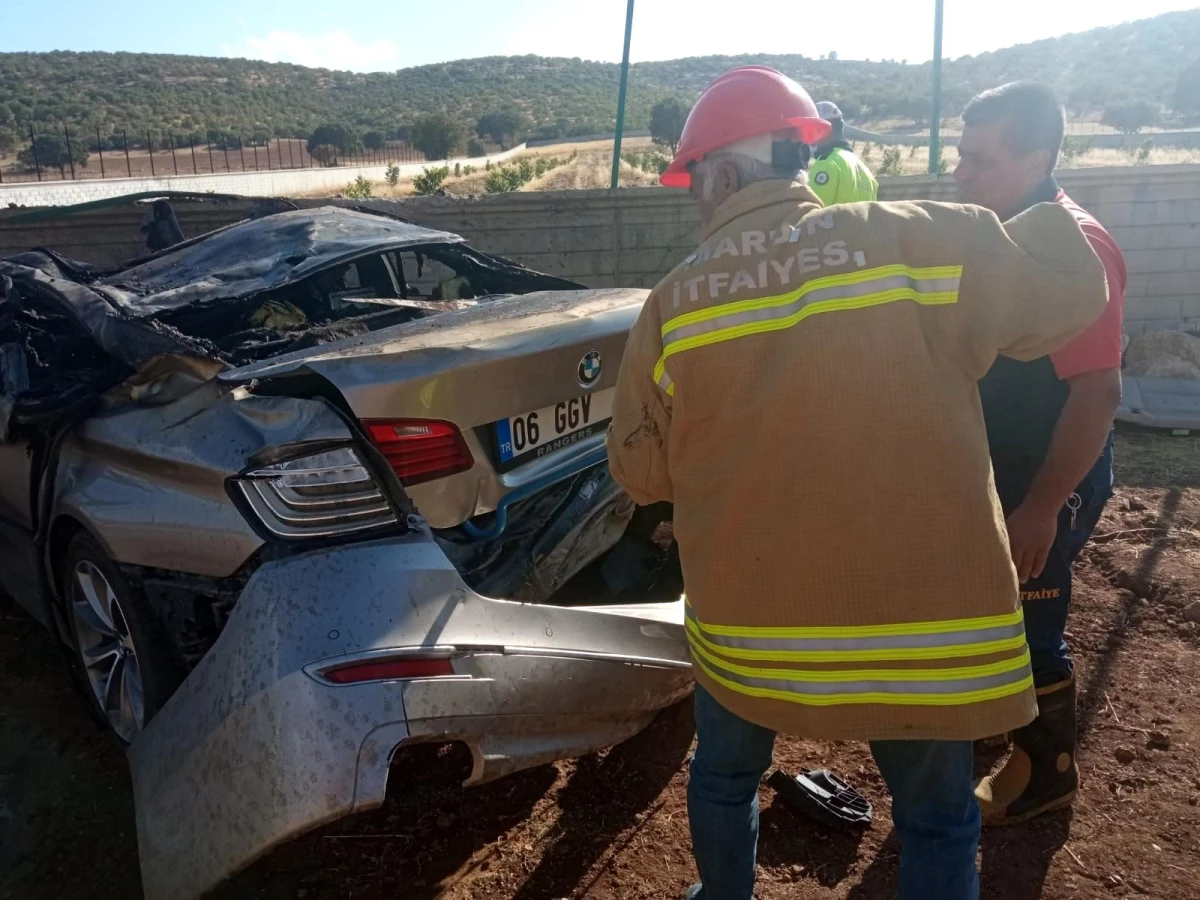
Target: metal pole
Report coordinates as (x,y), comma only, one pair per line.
(935,124)
(254,147)
(279,152)
(100,150)
(70,155)
(616,168)
(242,152)
(291,158)
(208,143)
(33,149)
(128,164)
(192,144)
(225,150)
(174,161)
(150,148)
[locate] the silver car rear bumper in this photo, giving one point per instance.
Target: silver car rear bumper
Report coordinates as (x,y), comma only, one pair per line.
(256,747)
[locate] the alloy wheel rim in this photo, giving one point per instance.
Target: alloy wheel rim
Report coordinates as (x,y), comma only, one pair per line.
(107,651)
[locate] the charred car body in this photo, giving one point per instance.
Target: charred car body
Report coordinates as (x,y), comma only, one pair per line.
(301,491)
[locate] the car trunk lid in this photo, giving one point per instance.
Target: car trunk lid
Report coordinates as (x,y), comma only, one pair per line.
(535,372)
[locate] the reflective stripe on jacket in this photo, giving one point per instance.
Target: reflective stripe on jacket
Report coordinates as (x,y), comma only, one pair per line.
(802,387)
(837,175)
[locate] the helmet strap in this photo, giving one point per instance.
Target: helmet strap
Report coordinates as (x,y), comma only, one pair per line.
(790,156)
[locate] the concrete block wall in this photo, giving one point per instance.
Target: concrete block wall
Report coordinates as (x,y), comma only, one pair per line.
(634,236)
(270,183)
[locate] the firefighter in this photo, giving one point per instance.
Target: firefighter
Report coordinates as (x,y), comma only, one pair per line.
(1050,429)
(837,175)
(803,388)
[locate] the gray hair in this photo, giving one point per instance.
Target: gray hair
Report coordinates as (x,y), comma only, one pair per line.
(748,168)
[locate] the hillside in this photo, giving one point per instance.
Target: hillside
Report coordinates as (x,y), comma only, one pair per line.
(1139,60)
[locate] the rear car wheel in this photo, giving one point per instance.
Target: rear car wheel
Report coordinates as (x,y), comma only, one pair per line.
(124,657)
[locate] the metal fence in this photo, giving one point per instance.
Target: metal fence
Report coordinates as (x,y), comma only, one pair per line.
(64,154)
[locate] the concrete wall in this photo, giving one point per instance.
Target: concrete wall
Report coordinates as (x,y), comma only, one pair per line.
(635,236)
(276,183)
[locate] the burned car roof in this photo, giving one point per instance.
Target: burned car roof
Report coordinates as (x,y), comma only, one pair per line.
(258,255)
(150,306)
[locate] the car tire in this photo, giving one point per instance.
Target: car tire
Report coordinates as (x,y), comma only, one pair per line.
(122,653)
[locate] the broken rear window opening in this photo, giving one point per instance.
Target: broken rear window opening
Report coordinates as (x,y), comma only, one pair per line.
(345,301)
(249,292)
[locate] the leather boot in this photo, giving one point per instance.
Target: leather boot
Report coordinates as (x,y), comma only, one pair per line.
(1041,774)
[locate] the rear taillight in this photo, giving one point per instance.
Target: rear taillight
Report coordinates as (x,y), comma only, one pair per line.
(389,670)
(420,450)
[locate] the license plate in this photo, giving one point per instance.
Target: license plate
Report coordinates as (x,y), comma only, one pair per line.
(534,434)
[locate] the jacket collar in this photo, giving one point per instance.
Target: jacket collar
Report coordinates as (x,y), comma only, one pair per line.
(825,150)
(758,196)
(1046,192)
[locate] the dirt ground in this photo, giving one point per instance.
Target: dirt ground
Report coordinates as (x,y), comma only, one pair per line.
(613,826)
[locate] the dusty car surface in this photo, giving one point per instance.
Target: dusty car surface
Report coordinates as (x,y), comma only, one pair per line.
(306,489)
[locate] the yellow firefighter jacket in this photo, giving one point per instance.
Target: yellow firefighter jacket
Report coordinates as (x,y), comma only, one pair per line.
(802,387)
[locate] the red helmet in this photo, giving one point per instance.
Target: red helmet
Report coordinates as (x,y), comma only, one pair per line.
(744,103)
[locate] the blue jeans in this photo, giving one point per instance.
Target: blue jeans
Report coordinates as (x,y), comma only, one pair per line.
(1047,598)
(933,807)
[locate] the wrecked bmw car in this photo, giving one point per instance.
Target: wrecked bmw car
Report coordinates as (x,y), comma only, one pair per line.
(315,486)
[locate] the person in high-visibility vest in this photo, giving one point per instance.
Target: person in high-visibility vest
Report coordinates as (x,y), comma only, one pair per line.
(836,174)
(803,389)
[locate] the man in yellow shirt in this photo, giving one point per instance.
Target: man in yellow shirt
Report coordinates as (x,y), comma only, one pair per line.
(836,174)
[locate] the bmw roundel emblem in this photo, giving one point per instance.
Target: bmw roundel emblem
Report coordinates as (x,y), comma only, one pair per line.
(589,368)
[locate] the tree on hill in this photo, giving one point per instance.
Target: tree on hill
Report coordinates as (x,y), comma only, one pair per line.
(1131,117)
(1187,92)
(374,140)
(52,153)
(329,141)
(502,126)
(438,135)
(667,118)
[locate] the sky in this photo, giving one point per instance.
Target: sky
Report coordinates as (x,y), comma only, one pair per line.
(384,35)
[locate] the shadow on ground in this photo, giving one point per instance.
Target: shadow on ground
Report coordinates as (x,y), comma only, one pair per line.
(66,809)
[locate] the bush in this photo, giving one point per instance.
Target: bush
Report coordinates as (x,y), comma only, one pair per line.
(1072,148)
(468,170)
(1130,118)
(650,161)
(358,189)
(500,181)
(52,153)
(332,135)
(457,170)
(666,122)
(392,174)
(438,135)
(430,180)
(512,178)
(1143,152)
(891,162)
(866,151)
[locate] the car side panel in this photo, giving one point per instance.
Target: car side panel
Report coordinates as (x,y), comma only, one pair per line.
(149,482)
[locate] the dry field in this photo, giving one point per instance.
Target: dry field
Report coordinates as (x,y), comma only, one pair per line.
(593,166)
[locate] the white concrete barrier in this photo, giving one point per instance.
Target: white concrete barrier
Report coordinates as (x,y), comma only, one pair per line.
(271,183)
